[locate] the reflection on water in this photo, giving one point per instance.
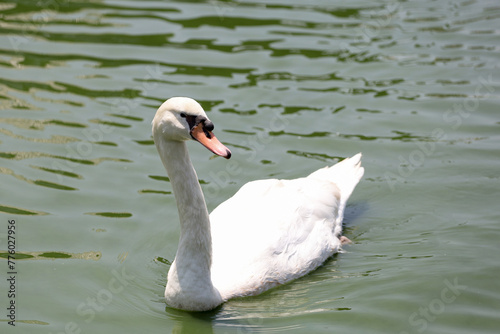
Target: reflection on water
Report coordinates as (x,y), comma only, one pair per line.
(54,255)
(290,87)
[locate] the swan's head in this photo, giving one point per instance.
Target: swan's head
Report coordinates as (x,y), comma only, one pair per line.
(182,118)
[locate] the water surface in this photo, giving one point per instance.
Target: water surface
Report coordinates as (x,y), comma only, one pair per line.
(291,87)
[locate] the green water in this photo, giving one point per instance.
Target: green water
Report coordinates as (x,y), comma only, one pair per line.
(291,86)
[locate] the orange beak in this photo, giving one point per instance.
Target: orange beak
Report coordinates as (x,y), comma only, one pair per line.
(207,139)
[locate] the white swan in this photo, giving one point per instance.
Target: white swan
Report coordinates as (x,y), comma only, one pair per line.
(270,232)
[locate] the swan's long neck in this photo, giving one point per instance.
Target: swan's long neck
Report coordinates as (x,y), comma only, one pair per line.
(189,283)
(195,224)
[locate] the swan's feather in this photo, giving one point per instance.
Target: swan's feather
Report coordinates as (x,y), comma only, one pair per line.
(273,231)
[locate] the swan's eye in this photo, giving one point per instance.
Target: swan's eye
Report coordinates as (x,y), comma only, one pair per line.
(183,115)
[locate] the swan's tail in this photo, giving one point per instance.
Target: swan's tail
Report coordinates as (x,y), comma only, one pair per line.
(346,175)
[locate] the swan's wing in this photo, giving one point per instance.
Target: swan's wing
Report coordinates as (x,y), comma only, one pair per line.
(273,231)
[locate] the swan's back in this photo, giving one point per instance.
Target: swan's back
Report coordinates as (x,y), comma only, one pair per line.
(273,231)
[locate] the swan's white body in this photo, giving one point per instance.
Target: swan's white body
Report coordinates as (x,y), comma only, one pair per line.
(269,233)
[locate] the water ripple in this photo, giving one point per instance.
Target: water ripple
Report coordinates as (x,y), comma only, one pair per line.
(291,86)
(20,211)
